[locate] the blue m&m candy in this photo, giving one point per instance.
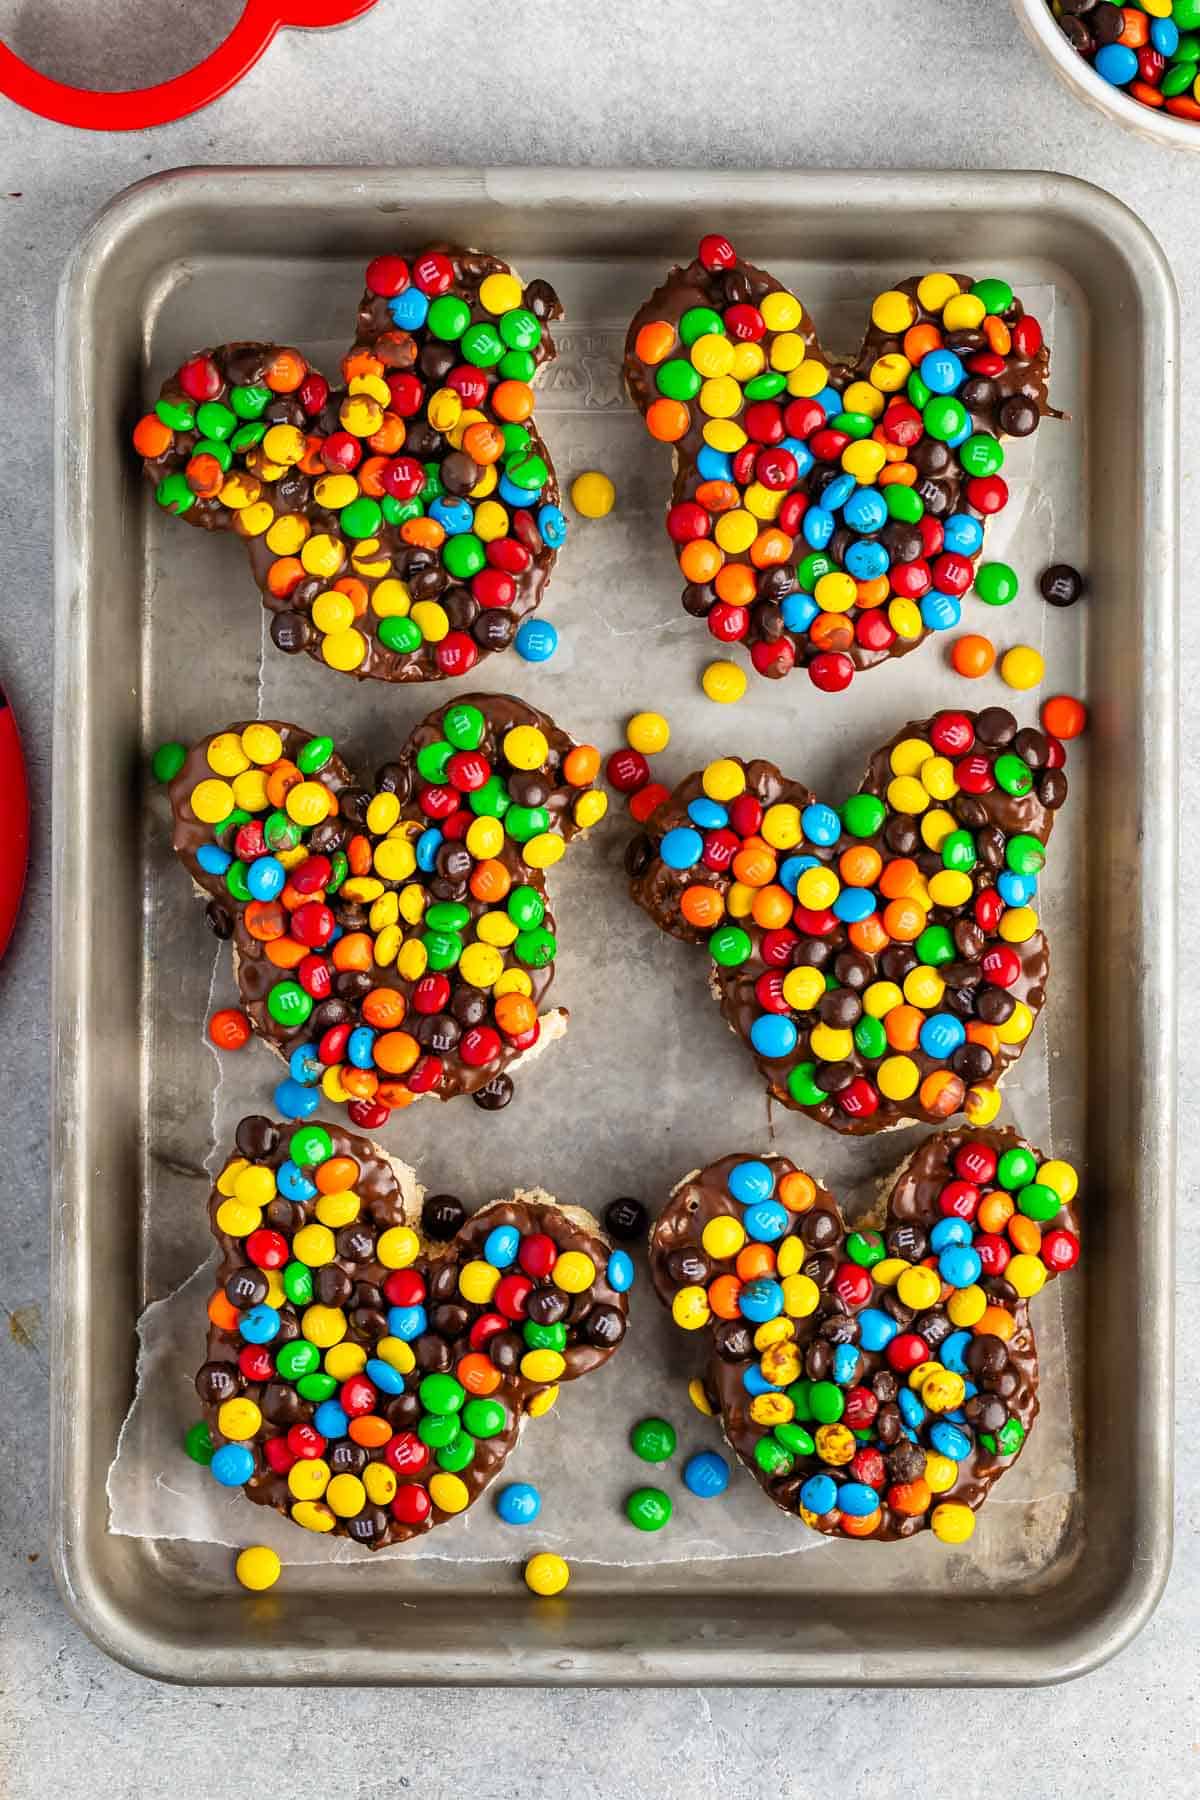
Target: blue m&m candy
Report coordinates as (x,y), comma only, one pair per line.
(536,640)
(773,1036)
(232,1465)
(681,848)
(619,1272)
(501,1245)
(819,1494)
(706,1474)
(750,1182)
(519,1503)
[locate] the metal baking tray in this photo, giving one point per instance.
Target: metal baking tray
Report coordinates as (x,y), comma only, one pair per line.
(144,630)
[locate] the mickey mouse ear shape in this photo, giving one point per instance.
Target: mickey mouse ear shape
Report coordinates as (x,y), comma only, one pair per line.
(373,1355)
(876,1380)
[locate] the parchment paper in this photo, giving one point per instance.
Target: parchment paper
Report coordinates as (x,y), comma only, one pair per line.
(649,1083)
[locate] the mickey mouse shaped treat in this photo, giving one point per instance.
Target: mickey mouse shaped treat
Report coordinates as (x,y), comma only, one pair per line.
(874,1381)
(830,513)
(393,940)
(402,523)
(883,961)
(372,1359)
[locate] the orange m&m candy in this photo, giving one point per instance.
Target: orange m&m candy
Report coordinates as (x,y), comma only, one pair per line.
(1063,716)
(972,655)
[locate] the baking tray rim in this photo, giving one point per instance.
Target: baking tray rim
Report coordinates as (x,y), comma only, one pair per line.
(1135,1593)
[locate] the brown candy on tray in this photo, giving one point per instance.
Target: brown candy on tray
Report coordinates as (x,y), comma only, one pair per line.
(392,939)
(829,512)
(884,960)
(402,520)
(876,1380)
(372,1360)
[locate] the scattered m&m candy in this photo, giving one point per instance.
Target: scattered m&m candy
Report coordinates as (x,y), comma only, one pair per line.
(724,682)
(593,494)
(257,1568)
(546,1573)
(972,655)
(229,1029)
(1022,666)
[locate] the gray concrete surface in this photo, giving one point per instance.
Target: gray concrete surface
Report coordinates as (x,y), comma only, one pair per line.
(951,84)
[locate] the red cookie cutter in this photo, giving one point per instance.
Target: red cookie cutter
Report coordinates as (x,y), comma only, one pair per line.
(14,823)
(137,108)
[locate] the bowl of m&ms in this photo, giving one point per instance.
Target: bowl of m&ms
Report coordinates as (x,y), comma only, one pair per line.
(1139,61)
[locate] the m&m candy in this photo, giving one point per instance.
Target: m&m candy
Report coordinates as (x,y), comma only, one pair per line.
(653,1440)
(897,1379)
(1149,49)
(724,682)
(258,1568)
(1022,666)
(831,513)
(972,655)
(593,494)
(546,1573)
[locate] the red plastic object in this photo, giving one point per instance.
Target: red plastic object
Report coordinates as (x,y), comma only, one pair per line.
(14,823)
(136,109)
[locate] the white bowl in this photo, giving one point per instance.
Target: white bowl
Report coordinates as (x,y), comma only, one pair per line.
(1149,122)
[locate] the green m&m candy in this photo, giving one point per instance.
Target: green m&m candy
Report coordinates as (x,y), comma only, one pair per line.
(865,1248)
(958,852)
(945,417)
(1013,774)
(402,636)
(525,908)
(288,1004)
(362,518)
(249,402)
(729,946)
(484,1418)
(464,555)
(459,1454)
(520,329)
(1016,1168)
(996,583)
(438,1430)
(214,420)
(314,755)
(448,317)
(167,761)
(536,947)
(463,726)
(700,321)
(482,345)
(935,946)
(795,1439)
(870,1038)
(174,495)
(309,1145)
(863,814)
(649,1508)
(299,1358)
(1024,854)
(981,454)
(180,415)
(318,1386)
(298,1286)
(441,1394)
(772,1458)
(653,1440)
(827,1402)
(997,296)
(678,380)
(198,1443)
